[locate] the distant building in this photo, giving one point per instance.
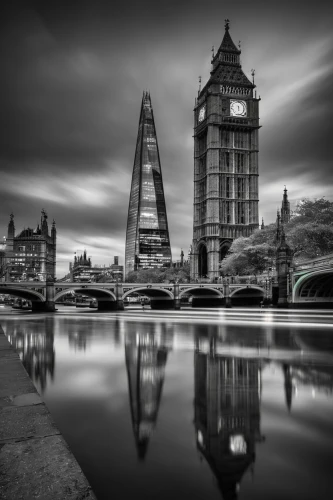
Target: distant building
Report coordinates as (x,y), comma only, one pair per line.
(147,235)
(82,270)
(180,263)
(32,254)
(285,208)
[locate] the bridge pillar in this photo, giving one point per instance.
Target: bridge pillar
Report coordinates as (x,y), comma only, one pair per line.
(49,304)
(176,296)
(119,296)
(226,290)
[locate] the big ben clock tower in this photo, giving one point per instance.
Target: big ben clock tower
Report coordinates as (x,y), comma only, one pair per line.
(226,123)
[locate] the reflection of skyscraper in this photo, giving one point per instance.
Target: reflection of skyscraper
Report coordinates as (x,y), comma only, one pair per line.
(147,236)
(145,362)
(36,350)
(227,415)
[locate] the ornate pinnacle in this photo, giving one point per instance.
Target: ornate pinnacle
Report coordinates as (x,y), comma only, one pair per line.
(226,25)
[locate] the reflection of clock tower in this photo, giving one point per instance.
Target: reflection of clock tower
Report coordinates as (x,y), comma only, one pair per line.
(226,123)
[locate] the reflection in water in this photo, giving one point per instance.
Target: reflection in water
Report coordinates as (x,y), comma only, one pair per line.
(35,346)
(146,357)
(226,414)
(232,363)
(77,338)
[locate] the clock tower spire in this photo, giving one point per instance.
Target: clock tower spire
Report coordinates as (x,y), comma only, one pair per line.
(226,123)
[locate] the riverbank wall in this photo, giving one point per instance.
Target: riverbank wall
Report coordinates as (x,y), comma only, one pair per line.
(35,460)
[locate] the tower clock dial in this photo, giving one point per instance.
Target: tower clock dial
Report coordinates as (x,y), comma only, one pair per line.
(238,108)
(202,113)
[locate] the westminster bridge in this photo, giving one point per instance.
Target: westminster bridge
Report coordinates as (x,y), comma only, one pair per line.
(310,284)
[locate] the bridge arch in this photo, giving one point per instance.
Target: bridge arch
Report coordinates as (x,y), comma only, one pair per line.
(246,287)
(24,293)
(315,287)
(201,291)
(247,295)
(160,298)
(204,296)
(150,292)
(97,293)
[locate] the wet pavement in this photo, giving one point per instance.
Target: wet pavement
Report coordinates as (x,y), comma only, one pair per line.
(35,461)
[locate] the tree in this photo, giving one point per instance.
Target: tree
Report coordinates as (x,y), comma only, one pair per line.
(318,211)
(309,234)
(310,240)
(158,275)
(244,257)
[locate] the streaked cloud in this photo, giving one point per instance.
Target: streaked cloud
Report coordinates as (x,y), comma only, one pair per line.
(71,96)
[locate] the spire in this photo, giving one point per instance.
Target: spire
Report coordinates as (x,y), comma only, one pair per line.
(285,208)
(228,48)
(10,232)
(43,221)
(262,224)
(226,67)
(147,234)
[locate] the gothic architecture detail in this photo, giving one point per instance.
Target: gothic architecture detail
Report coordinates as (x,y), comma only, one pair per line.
(31,255)
(226,123)
(147,236)
(283,263)
(285,208)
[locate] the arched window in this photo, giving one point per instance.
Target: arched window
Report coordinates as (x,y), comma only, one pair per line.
(203,268)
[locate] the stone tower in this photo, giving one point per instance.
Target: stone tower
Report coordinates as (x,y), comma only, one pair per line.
(226,123)
(285,208)
(283,263)
(147,235)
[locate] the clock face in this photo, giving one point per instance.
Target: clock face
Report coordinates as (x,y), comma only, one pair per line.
(202,113)
(237,108)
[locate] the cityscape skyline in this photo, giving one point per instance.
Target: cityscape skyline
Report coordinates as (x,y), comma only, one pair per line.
(73,81)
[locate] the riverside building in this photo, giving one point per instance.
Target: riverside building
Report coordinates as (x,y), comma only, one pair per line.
(31,255)
(226,123)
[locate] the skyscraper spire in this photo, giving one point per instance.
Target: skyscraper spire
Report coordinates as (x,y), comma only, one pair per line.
(147,236)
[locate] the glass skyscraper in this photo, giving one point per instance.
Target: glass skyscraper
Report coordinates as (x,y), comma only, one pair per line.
(147,235)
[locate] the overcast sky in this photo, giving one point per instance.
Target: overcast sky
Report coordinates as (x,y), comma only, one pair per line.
(72,78)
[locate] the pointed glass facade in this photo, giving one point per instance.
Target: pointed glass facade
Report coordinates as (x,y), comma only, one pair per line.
(147,236)
(146,359)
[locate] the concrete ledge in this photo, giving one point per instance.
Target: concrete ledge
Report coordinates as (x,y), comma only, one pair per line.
(35,460)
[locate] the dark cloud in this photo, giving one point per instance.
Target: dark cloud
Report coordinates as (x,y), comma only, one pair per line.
(70,97)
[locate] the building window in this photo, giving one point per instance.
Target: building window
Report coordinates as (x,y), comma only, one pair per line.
(240,163)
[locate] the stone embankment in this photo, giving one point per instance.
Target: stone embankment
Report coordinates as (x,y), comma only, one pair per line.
(35,460)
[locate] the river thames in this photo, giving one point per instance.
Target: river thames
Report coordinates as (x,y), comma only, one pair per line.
(201,404)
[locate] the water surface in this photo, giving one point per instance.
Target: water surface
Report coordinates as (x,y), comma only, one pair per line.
(204,404)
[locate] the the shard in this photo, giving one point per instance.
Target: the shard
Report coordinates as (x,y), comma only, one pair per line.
(147,235)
